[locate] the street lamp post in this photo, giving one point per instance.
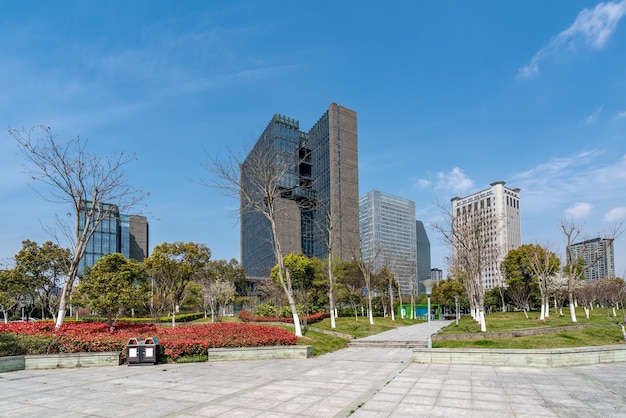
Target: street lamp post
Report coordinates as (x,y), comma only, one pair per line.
(428,284)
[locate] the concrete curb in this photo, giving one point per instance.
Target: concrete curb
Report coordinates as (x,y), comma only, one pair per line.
(557,357)
(59,361)
(261,353)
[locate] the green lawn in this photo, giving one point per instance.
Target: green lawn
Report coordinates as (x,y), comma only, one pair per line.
(511,321)
(362,327)
(600,330)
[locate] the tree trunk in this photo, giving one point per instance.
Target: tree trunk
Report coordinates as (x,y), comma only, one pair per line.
(65,294)
(393,315)
(483,325)
(331,298)
(370,313)
(572,307)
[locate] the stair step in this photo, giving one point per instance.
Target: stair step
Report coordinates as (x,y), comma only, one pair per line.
(387,344)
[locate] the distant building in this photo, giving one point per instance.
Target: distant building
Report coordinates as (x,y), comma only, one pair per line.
(322,178)
(423,255)
(389,237)
(599,258)
(436,275)
(118,233)
(497,209)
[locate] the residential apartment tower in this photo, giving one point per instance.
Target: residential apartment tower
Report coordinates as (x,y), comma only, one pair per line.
(489,221)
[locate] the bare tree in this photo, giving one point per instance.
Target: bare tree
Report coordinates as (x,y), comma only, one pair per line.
(367,265)
(327,227)
(394,263)
(575,263)
(587,294)
(544,264)
(473,250)
(93,186)
(260,181)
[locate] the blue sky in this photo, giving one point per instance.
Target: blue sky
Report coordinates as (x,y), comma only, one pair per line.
(450,96)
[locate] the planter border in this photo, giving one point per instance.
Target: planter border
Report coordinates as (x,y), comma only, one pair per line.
(260,353)
(556,357)
(59,361)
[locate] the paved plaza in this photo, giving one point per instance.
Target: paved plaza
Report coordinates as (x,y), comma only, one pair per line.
(358,382)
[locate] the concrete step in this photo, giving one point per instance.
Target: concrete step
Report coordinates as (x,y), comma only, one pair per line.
(387,344)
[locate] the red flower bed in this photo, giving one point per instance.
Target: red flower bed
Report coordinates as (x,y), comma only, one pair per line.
(247,316)
(75,337)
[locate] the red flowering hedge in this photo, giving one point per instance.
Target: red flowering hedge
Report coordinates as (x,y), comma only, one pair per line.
(247,316)
(75,337)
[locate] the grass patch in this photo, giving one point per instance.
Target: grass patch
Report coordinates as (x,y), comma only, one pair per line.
(362,328)
(322,343)
(514,321)
(599,330)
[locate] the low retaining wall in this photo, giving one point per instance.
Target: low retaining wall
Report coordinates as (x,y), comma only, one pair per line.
(59,361)
(12,363)
(261,353)
(508,334)
(557,357)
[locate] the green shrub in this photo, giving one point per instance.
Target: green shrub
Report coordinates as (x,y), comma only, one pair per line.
(14,345)
(9,345)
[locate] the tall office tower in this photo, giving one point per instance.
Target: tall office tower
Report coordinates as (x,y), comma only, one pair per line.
(423,256)
(598,255)
(318,191)
(491,223)
(389,237)
(117,233)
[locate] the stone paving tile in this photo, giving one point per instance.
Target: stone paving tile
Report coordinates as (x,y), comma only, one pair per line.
(364,382)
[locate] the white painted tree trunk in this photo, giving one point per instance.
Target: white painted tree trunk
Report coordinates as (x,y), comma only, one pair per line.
(572,310)
(369,307)
(483,324)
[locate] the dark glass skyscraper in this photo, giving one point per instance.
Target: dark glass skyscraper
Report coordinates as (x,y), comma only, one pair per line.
(423,255)
(117,233)
(320,179)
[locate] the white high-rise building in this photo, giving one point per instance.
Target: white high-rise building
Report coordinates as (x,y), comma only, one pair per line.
(495,213)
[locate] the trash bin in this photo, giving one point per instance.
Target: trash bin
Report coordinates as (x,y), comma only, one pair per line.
(151,350)
(134,351)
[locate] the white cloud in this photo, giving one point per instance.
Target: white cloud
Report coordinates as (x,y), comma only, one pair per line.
(594,116)
(594,176)
(620,115)
(558,165)
(421,183)
(455,181)
(578,210)
(592,27)
(615,214)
